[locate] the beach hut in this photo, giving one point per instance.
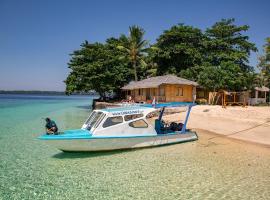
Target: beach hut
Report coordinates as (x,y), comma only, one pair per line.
(168,88)
(234,98)
(258,95)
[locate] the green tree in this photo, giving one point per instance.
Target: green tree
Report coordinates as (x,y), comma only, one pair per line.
(135,46)
(226,42)
(227,76)
(226,50)
(98,67)
(264,64)
(178,48)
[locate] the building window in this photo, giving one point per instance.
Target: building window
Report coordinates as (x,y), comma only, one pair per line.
(179,91)
(131,117)
(110,121)
(138,124)
(161,91)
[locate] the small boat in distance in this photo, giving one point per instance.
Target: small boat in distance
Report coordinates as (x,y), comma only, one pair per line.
(124,127)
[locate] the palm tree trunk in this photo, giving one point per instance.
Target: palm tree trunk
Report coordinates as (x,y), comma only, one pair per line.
(135,71)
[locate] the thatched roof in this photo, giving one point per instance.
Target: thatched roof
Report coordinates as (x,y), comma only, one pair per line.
(262,89)
(154,82)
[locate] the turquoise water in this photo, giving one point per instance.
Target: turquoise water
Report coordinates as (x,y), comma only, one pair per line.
(210,168)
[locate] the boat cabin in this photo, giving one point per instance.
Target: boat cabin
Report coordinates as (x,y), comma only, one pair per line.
(120,120)
(132,121)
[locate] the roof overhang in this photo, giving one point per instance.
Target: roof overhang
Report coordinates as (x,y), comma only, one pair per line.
(262,89)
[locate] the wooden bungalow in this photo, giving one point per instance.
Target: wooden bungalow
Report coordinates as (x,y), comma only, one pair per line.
(168,88)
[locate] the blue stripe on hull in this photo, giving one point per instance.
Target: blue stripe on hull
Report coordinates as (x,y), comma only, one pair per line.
(88,136)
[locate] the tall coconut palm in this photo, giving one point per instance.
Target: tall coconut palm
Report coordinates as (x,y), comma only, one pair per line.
(135,46)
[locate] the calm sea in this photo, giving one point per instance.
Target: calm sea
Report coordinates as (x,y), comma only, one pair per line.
(210,168)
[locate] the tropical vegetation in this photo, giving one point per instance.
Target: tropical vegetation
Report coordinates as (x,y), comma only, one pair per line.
(264,65)
(217,58)
(134,45)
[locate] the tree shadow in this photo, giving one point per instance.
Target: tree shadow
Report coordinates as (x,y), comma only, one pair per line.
(74,155)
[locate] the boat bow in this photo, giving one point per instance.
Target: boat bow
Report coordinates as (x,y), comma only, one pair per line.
(69,134)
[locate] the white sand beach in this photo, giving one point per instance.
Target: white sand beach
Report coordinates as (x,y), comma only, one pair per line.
(250,123)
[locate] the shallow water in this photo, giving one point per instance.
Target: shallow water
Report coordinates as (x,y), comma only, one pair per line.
(210,168)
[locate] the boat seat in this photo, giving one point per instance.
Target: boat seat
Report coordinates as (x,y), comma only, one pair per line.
(172,127)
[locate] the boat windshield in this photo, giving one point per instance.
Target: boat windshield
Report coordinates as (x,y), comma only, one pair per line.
(93,118)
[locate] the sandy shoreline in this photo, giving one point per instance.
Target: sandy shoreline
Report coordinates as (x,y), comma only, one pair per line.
(251,124)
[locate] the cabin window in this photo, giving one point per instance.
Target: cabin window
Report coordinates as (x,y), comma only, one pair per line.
(152,114)
(161,91)
(90,117)
(138,124)
(100,120)
(110,121)
(179,91)
(93,119)
(131,117)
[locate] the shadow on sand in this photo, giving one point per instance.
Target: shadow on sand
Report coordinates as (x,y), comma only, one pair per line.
(74,155)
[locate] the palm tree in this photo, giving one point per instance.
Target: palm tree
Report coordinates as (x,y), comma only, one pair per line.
(134,45)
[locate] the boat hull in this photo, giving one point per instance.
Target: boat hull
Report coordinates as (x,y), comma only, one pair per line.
(117,143)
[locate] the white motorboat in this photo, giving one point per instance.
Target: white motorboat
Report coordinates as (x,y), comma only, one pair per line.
(124,128)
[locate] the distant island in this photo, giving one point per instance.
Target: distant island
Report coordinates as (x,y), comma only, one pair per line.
(44,92)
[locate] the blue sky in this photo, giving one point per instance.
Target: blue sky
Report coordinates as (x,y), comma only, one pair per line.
(36,37)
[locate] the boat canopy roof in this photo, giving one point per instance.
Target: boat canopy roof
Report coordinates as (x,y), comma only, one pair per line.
(126,110)
(143,108)
(170,104)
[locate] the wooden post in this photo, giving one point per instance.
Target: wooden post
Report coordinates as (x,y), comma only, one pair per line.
(256,97)
(224,99)
(244,100)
